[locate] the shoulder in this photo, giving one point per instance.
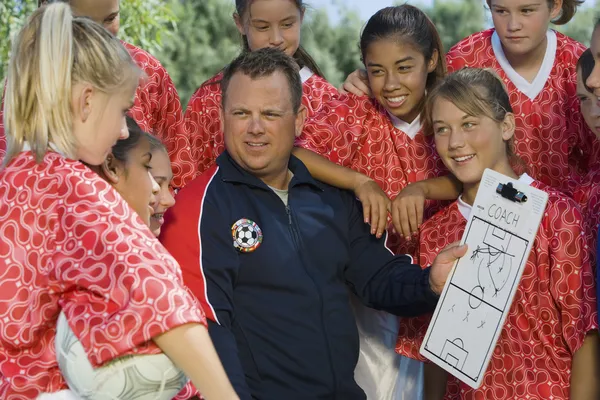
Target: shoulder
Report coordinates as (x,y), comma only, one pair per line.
(204,187)
(142,58)
(472,43)
(319,83)
(568,49)
(209,89)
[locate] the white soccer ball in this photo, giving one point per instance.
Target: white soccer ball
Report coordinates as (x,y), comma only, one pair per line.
(137,377)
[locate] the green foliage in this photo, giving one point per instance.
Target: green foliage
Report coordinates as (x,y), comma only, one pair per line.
(456,19)
(581,26)
(146,23)
(13,14)
(206,41)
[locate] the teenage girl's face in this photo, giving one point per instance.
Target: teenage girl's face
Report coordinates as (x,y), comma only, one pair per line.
(469,144)
(590,108)
(593,80)
(133,180)
(398,76)
(163,175)
(522,24)
(99,121)
(104,12)
(271,23)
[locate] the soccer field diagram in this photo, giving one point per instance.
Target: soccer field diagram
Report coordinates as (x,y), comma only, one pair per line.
(478,298)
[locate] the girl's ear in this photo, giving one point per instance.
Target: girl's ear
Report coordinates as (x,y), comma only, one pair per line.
(111,169)
(508,127)
(239,24)
(556,9)
(433,62)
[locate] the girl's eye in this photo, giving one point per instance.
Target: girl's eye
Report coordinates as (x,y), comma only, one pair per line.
(440,130)
(262,28)
(288,25)
(468,125)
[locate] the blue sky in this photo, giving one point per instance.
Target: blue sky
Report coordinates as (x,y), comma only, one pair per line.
(365,8)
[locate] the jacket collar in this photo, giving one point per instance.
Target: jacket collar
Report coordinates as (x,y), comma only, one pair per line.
(232,172)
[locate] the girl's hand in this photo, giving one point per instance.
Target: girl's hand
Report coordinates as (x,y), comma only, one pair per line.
(357,83)
(375,203)
(407,210)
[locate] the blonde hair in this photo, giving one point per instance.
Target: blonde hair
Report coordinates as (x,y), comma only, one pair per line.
(477,92)
(53,52)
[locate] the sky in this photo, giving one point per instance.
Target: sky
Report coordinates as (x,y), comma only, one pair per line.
(365,8)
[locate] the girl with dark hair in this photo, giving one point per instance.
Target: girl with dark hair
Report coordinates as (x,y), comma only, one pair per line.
(547,345)
(382,138)
(127,168)
(262,23)
(537,64)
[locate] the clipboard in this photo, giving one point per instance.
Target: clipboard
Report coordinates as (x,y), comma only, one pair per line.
(478,294)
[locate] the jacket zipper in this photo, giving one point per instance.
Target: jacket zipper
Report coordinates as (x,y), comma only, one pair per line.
(296,240)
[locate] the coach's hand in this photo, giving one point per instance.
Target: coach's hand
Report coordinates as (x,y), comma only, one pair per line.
(442,265)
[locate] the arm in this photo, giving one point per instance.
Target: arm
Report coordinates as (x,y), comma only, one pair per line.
(128,294)
(170,127)
(392,283)
(585,370)
(407,208)
(191,349)
(571,287)
(209,264)
(202,125)
(374,201)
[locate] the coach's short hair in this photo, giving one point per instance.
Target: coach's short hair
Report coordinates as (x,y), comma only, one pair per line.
(262,63)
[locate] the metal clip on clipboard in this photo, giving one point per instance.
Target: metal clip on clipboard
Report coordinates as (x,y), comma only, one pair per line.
(509,192)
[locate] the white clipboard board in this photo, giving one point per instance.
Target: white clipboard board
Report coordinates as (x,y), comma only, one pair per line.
(478,294)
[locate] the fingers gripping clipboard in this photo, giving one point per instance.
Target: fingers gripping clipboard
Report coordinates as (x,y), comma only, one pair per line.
(478,294)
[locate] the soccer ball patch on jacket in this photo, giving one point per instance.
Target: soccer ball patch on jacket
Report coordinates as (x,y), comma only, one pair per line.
(247,235)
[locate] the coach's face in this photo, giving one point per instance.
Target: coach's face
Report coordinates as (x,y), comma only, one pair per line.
(260,125)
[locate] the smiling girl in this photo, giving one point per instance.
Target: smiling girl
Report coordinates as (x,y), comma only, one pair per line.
(546,348)
(382,138)
(262,23)
(537,65)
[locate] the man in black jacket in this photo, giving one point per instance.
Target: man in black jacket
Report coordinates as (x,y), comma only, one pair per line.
(271,252)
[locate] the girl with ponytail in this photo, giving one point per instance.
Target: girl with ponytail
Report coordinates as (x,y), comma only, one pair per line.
(70,243)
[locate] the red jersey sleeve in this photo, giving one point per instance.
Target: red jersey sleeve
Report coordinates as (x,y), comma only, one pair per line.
(337,131)
(202,121)
(316,93)
(120,287)
(571,278)
(157,109)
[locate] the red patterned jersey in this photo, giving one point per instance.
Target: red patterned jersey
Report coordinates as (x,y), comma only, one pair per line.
(156,109)
(358,133)
(587,194)
(551,135)
(70,242)
(553,308)
(203,123)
